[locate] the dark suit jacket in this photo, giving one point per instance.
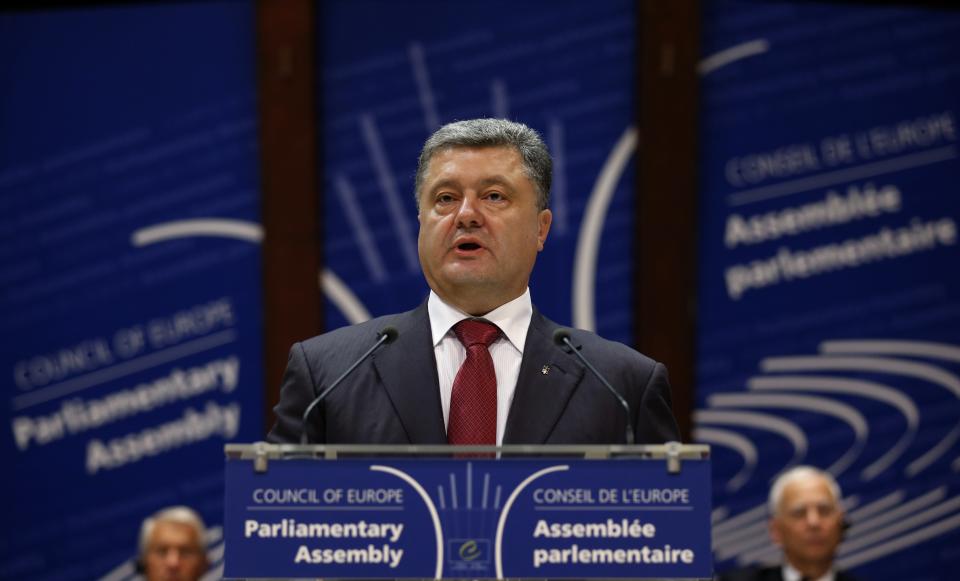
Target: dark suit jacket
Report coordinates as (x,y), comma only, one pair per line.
(769,574)
(394,397)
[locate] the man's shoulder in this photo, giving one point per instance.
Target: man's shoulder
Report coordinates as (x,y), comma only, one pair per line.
(593,345)
(360,335)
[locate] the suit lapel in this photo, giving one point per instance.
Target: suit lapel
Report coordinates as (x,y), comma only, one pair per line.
(540,398)
(409,374)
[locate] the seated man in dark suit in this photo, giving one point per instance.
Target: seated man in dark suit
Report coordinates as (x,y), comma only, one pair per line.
(807,522)
(475,363)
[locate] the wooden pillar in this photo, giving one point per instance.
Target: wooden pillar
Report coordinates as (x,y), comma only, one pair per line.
(290,162)
(668,42)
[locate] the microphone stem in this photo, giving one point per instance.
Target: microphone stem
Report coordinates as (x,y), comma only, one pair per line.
(336,383)
(623,402)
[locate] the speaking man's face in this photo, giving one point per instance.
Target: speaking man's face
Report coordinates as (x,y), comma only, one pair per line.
(480,229)
(174,552)
(809,524)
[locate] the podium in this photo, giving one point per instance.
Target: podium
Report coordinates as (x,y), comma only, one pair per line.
(432,512)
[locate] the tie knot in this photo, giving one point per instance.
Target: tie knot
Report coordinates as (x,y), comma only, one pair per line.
(476,332)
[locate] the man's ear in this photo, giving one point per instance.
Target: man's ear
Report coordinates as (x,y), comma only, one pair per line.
(774,530)
(544,219)
(844,526)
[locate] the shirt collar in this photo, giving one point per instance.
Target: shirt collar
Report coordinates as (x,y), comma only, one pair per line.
(512,318)
(790,573)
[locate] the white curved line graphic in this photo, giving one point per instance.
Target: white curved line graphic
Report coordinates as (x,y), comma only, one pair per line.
(396,202)
(718,514)
(438,532)
(868,526)
(498,540)
(928,349)
(842,411)
(588,242)
(360,230)
(916,537)
(785,428)
(342,297)
(743,540)
(768,555)
(756,513)
(901,525)
(421,75)
(868,389)
(122,571)
(732,54)
(925,371)
(217,227)
(735,442)
(924,462)
(878,506)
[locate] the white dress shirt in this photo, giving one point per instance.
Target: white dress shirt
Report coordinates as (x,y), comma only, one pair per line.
(513,319)
(791,574)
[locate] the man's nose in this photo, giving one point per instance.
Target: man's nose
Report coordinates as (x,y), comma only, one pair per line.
(172,559)
(469,214)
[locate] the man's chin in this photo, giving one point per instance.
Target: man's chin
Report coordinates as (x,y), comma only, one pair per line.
(465,276)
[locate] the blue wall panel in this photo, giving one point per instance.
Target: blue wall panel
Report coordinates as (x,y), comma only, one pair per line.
(564,68)
(130,331)
(829,299)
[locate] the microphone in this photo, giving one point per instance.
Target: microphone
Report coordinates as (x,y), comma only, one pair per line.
(386,335)
(562,338)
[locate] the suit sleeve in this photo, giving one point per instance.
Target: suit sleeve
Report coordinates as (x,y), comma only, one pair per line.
(296,393)
(655,423)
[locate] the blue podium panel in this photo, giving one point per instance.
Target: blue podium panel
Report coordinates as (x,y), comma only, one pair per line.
(468,518)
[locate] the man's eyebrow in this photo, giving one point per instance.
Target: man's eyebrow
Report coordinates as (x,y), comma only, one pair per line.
(495,180)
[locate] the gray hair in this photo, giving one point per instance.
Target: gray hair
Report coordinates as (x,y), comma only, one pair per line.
(537,163)
(798,473)
(177,514)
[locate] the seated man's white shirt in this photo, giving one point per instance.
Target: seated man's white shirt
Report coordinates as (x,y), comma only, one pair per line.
(513,319)
(791,574)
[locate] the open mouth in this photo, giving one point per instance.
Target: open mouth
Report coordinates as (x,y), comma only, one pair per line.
(468,246)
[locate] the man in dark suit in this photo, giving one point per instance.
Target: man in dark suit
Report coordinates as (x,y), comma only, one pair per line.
(807,522)
(482,191)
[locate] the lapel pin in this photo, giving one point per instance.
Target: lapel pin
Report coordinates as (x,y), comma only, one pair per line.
(545,370)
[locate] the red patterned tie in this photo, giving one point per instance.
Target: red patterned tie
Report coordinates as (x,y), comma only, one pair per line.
(473,403)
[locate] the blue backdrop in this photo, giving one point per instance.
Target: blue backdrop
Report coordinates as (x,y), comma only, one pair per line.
(564,68)
(129,265)
(829,300)
(129,275)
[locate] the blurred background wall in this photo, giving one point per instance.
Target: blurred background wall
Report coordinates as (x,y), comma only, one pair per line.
(760,194)
(827,327)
